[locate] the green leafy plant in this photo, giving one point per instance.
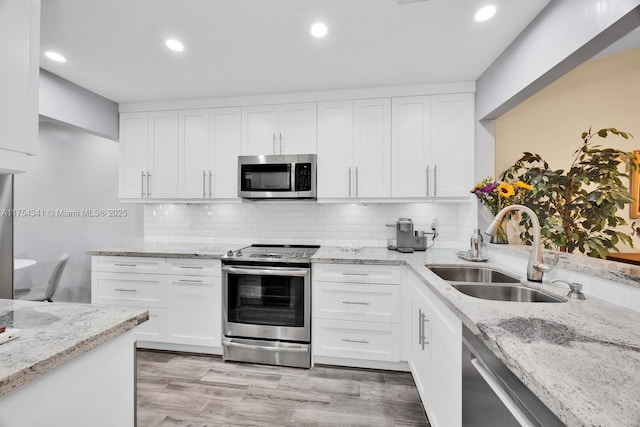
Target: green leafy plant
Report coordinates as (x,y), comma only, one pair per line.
(578,208)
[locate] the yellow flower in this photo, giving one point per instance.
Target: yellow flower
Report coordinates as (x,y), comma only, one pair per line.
(524,185)
(506,190)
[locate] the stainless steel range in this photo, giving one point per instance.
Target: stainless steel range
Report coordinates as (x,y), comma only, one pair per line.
(266,291)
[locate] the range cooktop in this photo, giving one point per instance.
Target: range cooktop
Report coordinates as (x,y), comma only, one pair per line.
(272,253)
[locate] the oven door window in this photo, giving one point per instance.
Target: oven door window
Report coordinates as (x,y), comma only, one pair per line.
(266,300)
(271,177)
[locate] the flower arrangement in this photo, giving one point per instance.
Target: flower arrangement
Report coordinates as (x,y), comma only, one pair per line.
(495,195)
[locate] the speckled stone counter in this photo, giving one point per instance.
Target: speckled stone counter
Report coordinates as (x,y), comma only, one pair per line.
(52,334)
(626,274)
(168,250)
(581,358)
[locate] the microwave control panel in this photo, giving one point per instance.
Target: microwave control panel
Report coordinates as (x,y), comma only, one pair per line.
(303,177)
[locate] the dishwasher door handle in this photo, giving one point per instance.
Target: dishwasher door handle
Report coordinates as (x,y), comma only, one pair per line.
(502,394)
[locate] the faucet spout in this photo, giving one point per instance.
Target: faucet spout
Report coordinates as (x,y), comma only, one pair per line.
(536,268)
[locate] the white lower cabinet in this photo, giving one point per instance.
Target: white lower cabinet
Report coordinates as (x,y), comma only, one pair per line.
(191,317)
(356,313)
(436,355)
(183,297)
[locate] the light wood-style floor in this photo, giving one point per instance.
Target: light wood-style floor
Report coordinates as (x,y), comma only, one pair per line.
(194,390)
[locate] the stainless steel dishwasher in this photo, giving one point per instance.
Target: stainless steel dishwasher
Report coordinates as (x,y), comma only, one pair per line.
(492,396)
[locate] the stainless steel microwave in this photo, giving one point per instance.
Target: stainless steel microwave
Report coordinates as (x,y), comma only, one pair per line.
(277,177)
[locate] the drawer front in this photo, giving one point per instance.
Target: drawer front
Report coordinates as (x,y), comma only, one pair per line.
(153,329)
(357,273)
(355,301)
(356,340)
(138,290)
(121,264)
(193,267)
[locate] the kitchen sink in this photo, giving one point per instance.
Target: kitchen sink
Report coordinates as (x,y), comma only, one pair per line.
(490,284)
(460,273)
(504,292)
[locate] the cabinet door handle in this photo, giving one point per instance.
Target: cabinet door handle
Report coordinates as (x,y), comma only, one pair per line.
(124,265)
(356,302)
(435,180)
(356,181)
(189,281)
(142,188)
(274,143)
(148,184)
(420,327)
(356,341)
(424,336)
(349,181)
(124,290)
(354,274)
(192,267)
(204,186)
(280,142)
(427,183)
(210,190)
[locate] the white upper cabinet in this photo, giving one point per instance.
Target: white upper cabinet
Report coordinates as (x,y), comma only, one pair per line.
(163,147)
(279,129)
(432,148)
(452,144)
(193,153)
(354,149)
(372,148)
(20,51)
(208,148)
(335,148)
(225,147)
(134,135)
(148,153)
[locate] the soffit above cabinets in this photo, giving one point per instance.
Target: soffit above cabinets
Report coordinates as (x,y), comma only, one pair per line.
(251,47)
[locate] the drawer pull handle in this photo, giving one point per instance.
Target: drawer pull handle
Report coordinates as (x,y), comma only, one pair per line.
(125,265)
(355,274)
(189,281)
(356,302)
(125,290)
(356,341)
(192,267)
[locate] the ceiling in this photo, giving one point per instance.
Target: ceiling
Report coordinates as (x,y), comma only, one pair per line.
(250,47)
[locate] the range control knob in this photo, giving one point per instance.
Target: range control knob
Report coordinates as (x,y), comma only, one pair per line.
(230,253)
(238,253)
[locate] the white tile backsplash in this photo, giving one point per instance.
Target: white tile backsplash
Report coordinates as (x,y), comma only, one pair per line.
(299,222)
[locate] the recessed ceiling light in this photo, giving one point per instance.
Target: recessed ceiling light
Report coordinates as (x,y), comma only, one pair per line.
(55,56)
(319,30)
(174,45)
(485,13)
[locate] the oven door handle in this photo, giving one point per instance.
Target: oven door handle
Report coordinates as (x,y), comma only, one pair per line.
(271,271)
(298,349)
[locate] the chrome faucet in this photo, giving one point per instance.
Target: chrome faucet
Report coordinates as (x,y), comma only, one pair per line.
(536,268)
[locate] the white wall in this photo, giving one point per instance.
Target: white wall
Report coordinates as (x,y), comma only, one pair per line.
(73,170)
(300,222)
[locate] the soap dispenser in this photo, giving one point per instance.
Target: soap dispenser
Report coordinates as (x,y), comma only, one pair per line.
(477,244)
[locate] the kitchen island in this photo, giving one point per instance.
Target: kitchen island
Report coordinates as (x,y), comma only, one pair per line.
(72,364)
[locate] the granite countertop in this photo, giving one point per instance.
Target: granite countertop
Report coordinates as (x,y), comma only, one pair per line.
(168,250)
(581,358)
(52,334)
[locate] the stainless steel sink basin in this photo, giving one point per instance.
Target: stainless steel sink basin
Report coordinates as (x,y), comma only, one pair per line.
(487,283)
(461,273)
(501,292)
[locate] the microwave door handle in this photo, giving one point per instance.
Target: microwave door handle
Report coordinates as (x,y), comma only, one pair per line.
(271,271)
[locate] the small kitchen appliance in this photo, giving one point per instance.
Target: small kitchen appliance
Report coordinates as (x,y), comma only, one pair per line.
(266,294)
(277,177)
(408,239)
